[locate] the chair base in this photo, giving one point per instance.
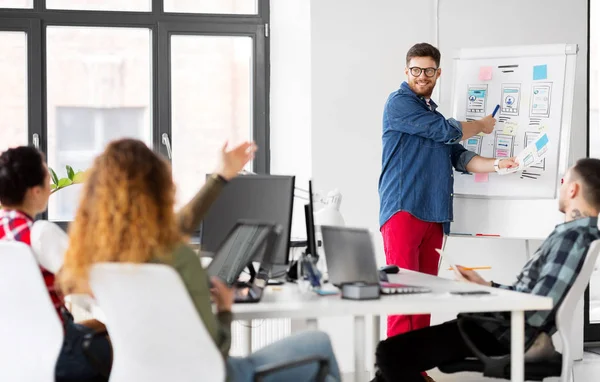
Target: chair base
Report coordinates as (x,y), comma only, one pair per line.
(534,371)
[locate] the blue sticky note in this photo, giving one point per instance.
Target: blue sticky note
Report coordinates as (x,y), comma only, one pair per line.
(540,72)
(541,142)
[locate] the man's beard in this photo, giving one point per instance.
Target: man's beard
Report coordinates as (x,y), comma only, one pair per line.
(425,91)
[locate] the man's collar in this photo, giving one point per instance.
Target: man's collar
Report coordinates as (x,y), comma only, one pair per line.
(591,221)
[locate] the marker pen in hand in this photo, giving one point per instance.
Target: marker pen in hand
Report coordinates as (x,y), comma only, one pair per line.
(495,110)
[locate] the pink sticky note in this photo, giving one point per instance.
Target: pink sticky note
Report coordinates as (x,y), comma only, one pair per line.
(485,73)
(482,177)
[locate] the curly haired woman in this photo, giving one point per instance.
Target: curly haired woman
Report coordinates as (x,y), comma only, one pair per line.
(126,215)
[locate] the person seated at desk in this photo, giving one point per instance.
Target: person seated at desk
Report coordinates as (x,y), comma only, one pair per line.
(24,193)
(126,215)
(551,272)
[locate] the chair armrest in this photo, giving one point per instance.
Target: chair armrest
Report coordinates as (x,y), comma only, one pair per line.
(322,373)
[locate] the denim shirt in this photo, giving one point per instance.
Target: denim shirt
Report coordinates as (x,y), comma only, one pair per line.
(420,148)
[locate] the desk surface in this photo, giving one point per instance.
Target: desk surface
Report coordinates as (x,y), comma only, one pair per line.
(288,302)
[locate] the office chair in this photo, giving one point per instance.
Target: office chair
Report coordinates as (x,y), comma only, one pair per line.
(547,362)
(30,330)
(155,329)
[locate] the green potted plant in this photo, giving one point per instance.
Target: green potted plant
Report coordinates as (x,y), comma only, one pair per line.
(60,183)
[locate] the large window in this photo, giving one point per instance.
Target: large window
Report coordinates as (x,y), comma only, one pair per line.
(13,76)
(184,76)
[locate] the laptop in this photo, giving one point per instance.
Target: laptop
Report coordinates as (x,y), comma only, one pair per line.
(246,243)
(350,258)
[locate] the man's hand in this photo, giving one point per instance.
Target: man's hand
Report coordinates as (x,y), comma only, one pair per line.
(472,276)
(508,163)
(234,160)
(222,295)
(488,124)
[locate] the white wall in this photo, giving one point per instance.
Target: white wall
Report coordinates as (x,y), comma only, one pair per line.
(290,97)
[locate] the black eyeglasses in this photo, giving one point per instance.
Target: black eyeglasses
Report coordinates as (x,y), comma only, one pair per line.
(429,72)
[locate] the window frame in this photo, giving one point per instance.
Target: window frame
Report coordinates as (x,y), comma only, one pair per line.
(34,22)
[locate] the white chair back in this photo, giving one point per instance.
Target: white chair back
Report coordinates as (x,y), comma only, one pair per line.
(49,244)
(31,333)
(156,332)
(565,312)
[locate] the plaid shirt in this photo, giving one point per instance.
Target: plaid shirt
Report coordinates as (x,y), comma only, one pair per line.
(16,226)
(551,272)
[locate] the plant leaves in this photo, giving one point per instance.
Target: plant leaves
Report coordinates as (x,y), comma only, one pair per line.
(70,172)
(53,176)
(52,186)
(79,177)
(64,182)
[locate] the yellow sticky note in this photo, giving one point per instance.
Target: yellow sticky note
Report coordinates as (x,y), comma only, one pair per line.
(542,128)
(510,128)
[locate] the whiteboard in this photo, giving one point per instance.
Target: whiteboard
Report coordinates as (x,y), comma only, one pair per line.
(532,86)
(513,206)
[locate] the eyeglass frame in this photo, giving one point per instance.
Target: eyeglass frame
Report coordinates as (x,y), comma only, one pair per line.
(423,70)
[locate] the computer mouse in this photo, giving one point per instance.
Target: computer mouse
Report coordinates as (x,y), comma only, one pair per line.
(390,269)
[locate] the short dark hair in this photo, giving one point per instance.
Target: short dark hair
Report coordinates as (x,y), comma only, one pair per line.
(588,171)
(424,49)
(21,168)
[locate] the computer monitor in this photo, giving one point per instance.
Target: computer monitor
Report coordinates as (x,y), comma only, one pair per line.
(265,198)
(309,217)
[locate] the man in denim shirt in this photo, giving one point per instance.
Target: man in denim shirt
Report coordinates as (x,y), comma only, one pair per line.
(420,149)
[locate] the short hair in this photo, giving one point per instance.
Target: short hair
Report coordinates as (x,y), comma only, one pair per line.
(424,50)
(587,170)
(21,168)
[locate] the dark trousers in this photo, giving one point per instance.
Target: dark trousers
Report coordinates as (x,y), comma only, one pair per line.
(405,356)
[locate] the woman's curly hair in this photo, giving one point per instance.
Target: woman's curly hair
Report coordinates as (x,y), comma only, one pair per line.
(126,213)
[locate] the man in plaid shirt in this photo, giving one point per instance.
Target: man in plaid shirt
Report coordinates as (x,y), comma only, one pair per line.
(551,272)
(24,193)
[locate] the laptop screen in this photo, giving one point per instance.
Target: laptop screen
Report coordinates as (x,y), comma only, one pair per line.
(349,255)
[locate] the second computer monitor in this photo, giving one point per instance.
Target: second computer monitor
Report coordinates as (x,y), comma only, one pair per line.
(266,198)
(309,218)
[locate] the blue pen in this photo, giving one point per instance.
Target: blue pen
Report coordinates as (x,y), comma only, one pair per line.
(495,110)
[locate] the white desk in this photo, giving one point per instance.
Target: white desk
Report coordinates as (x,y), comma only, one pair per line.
(287,302)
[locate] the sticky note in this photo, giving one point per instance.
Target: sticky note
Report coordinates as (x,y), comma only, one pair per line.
(541,142)
(485,73)
(542,128)
(510,128)
(540,72)
(482,177)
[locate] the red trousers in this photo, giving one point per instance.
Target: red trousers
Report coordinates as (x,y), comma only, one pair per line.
(410,243)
